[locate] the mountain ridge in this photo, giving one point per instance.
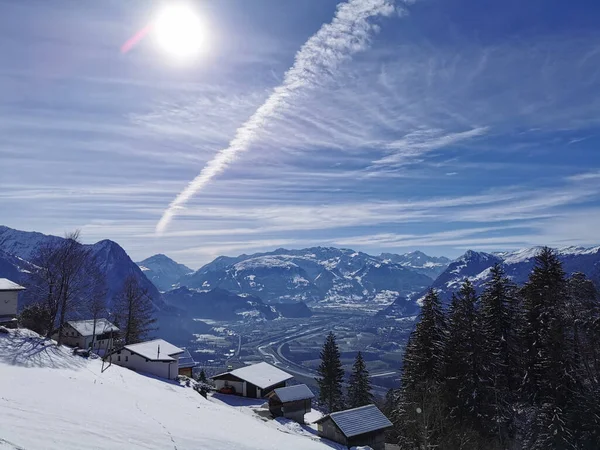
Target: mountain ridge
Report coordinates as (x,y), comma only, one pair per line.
(517,264)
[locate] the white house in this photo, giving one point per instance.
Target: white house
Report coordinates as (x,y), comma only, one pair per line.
(255,381)
(9,302)
(80,333)
(157,357)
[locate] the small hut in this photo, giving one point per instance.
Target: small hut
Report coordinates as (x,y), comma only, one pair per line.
(364,426)
(291,402)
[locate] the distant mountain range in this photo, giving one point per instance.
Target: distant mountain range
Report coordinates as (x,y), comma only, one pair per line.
(432,266)
(163,271)
(518,265)
(322,277)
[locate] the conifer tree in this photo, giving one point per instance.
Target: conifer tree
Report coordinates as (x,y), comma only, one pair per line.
(463,359)
(359,386)
(420,413)
(499,354)
(331,375)
(547,344)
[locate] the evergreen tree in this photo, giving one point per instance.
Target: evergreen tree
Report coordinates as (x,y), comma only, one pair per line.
(546,340)
(331,375)
(420,414)
(359,387)
(583,317)
(499,364)
(463,359)
(202,376)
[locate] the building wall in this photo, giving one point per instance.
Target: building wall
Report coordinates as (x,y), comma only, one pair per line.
(8,303)
(329,430)
(186,371)
(375,440)
(162,369)
(290,410)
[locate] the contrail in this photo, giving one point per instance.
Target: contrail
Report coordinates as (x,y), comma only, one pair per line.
(349,32)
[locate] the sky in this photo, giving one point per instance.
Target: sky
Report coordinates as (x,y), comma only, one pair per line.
(444,125)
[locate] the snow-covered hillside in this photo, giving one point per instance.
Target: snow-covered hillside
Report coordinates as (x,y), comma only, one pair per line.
(322,277)
(51,400)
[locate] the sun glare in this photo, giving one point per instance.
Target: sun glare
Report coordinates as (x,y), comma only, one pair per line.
(179,31)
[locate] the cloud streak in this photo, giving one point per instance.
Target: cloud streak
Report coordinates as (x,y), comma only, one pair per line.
(348,33)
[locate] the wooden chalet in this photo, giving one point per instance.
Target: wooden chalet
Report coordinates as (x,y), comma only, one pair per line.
(291,402)
(364,426)
(255,381)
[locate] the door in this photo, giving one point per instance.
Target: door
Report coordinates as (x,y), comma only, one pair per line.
(250,390)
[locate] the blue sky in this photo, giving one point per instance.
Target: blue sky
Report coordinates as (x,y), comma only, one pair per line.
(458,124)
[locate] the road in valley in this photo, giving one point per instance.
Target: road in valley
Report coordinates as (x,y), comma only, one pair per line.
(272,353)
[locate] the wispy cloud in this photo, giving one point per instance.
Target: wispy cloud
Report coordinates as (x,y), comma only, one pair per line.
(348,33)
(421,141)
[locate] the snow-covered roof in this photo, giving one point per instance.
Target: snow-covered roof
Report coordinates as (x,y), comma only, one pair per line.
(7,285)
(156,350)
(262,375)
(353,422)
(294,393)
(86,327)
(186,360)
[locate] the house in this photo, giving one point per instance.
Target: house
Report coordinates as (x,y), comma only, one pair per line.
(9,302)
(81,333)
(157,357)
(291,402)
(364,426)
(255,381)
(186,363)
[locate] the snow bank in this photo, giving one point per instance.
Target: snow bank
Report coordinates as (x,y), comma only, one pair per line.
(52,400)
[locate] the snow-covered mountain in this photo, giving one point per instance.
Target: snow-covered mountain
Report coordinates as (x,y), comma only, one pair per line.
(53,400)
(432,266)
(163,271)
(18,247)
(323,277)
(518,264)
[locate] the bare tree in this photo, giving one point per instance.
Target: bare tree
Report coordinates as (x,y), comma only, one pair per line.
(66,280)
(134,312)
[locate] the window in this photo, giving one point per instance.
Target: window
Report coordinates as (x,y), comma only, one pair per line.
(119,358)
(127,358)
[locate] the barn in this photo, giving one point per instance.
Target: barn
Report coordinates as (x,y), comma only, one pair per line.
(255,381)
(186,363)
(291,402)
(364,426)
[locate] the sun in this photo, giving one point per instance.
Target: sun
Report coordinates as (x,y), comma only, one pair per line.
(179,31)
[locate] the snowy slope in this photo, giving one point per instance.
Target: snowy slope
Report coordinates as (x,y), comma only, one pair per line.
(322,277)
(52,400)
(163,271)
